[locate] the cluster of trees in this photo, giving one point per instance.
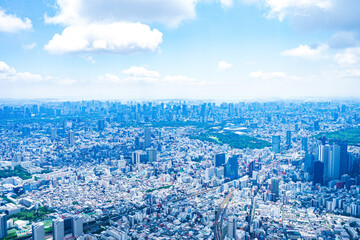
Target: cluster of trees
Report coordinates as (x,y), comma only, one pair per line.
(233,139)
(163,187)
(33,215)
(352,136)
(17,172)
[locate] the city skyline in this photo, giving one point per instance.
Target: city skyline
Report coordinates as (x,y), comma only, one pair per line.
(205,49)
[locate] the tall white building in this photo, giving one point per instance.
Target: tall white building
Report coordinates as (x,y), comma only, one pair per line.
(324,156)
(77,226)
(38,231)
(330,155)
(58,229)
(335,162)
(232,227)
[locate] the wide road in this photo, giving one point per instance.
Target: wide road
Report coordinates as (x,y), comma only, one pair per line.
(221,214)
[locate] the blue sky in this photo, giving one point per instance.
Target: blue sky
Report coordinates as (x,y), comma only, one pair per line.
(161,49)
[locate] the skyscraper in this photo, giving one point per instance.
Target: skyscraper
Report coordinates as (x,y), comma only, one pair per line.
(335,162)
(58,229)
(232,227)
(53,133)
(135,157)
(147,137)
(318,177)
(137,143)
(344,155)
(330,155)
(38,231)
(324,156)
(3,226)
(101,125)
(251,168)
(308,162)
(220,159)
(288,139)
(304,144)
(316,125)
(151,155)
(232,168)
(71,138)
(78,226)
(276,144)
(274,187)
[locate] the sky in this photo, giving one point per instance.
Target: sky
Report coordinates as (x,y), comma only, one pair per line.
(179,49)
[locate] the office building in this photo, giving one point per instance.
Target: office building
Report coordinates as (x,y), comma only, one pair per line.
(58,229)
(276,144)
(3,226)
(71,138)
(68,226)
(135,157)
(231,227)
(309,162)
(251,168)
(53,133)
(232,168)
(38,231)
(274,188)
(334,162)
(288,139)
(344,155)
(77,226)
(304,144)
(147,137)
(137,143)
(318,177)
(220,159)
(151,155)
(316,125)
(101,125)
(324,156)
(330,155)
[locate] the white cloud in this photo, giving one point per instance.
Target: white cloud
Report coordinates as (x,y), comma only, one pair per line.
(5,69)
(168,12)
(307,14)
(306,51)
(141,72)
(282,8)
(29,46)
(134,74)
(109,78)
(11,23)
(349,56)
(268,75)
(90,59)
(226,3)
(348,73)
(117,37)
(179,79)
(9,74)
(141,75)
(222,66)
(343,39)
